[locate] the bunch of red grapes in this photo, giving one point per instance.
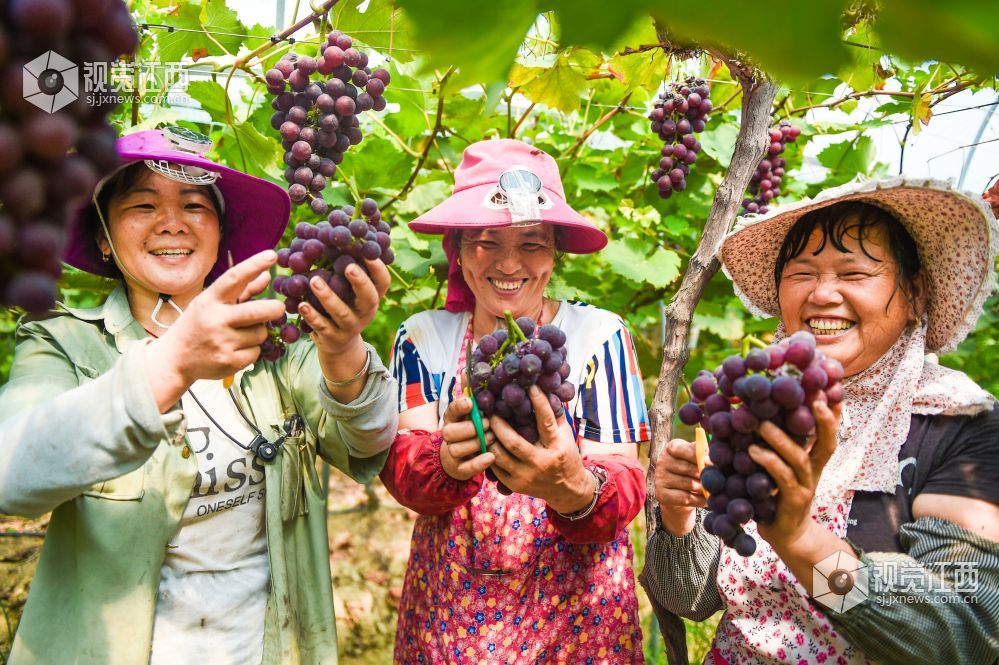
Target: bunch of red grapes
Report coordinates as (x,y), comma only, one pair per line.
(325,250)
(778,383)
(764,186)
(677,114)
(43,117)
(317,120)
(508,362)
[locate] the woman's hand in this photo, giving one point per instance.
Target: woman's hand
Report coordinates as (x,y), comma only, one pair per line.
(796,471)
(218,334)
(678,486)
(338,337)
(552,470)
(461,454)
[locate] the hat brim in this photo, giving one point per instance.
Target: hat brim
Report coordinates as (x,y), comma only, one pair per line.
(465,210)
(256,215)
(955,232)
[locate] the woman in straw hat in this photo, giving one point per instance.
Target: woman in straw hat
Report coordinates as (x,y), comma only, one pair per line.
(187,519)
(544,572)
(880,527)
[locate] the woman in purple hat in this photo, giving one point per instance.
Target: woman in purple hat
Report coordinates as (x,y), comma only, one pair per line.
(187,518)
(545,572)
(884,543)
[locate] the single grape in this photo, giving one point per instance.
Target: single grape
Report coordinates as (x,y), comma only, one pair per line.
(759,485)
(713,480)
(734,367)
(739,511)
(744,544)
(800,421)
(690,413)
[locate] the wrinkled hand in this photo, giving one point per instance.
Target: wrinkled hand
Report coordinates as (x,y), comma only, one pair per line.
(221,330)
(340,333)
(461,454)
(551,470)
(796,471)
(678,486)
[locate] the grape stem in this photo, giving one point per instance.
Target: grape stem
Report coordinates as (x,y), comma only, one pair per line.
(513,329)
(750,341)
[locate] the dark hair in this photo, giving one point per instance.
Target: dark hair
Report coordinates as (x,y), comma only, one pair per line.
(838,219)
(121,183)
(458,234)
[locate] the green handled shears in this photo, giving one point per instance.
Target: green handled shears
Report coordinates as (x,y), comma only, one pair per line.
(476,414)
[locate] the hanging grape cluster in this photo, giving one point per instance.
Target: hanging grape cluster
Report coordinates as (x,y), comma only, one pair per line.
(508,362)
(318,120)
(41,185)
(325,250)
(677,114)
(779,384)
(764,186)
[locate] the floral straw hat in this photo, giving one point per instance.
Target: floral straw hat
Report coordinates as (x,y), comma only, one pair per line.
(955,232)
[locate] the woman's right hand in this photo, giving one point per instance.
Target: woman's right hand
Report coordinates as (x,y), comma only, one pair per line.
(461,454)
(218,334)
(678,486)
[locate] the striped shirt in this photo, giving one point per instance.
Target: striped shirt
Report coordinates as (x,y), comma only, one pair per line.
(609,405)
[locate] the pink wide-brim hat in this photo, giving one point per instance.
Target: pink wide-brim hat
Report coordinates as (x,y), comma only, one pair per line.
(256,211)
(956,235)
(472,204)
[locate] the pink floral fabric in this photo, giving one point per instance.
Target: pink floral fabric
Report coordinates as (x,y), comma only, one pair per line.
(553,603)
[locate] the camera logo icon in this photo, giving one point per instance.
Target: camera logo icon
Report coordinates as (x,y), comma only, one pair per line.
(840,582)
(51,81)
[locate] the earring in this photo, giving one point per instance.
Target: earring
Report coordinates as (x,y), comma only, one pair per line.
(106,257)
(459,261)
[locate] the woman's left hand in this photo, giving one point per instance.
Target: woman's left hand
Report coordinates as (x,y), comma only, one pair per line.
(552,469)
(796,471)
(338,337)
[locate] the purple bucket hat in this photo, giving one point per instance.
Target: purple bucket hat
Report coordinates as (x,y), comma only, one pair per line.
(256,211)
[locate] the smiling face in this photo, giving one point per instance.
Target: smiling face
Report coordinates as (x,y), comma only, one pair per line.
(508,268)
(166,235)
(852,301)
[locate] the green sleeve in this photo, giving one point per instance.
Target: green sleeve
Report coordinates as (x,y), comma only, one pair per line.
(937,603)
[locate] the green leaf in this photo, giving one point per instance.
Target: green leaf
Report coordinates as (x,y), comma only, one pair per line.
(719,142)
(423,197)
(558,87)
(376,165)
(480,38)
(956,31)
(174,46)
(627,257)
(211,96)
(592,178)
(726,323)
(848,158)
(592,22)
(243,147)
(646,69)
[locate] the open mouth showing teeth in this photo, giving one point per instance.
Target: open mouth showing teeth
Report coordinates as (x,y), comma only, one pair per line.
(504,285)
(829,326)
(171,252)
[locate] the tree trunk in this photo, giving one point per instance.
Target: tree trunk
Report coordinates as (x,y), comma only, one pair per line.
(757,99)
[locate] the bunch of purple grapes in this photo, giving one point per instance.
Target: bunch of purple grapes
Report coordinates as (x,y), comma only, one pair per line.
(43,118)
(325,250)
(318,120)
(764,186)
(778,383)
(508,362)
(677,114)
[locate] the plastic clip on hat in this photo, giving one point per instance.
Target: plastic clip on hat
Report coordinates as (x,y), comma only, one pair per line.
(255,212)
(501,183)
(955,232)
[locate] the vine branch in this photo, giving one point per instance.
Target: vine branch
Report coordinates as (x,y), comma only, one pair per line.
(437,128)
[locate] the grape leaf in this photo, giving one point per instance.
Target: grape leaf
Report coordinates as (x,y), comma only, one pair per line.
(718,142)
(628,258)
(173,46)
(211,96)
(480,38)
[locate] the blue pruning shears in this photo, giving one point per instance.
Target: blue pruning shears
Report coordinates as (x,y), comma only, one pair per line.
(476,414)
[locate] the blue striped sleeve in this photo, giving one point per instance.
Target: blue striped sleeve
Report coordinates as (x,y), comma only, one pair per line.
(417,386)
(611,407)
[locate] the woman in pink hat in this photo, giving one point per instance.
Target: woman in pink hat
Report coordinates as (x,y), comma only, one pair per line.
(884,546)
(187,518)
(543,573)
